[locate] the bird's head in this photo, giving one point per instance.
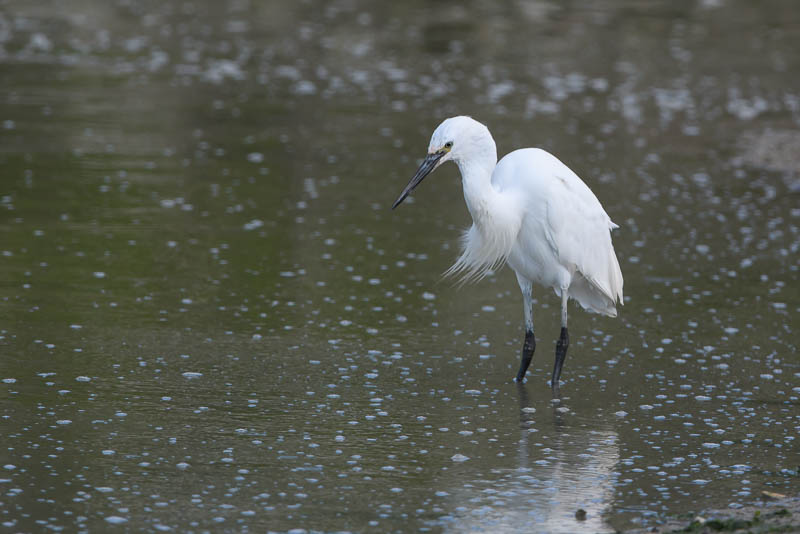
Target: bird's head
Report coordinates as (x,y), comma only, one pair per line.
(455,139)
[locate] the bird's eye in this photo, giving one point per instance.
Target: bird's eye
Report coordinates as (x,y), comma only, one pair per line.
(448,144)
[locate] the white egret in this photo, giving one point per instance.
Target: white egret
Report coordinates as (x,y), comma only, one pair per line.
(532,212)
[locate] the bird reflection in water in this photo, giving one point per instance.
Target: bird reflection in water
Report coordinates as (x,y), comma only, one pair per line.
(563,480)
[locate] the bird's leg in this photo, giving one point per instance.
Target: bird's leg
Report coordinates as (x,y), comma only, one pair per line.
(563,341)
(527,354)
(561,354)
(529,346)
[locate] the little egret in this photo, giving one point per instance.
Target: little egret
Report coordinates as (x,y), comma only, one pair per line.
(532,212)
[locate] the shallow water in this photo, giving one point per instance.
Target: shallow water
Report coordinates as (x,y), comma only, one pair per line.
(211,321)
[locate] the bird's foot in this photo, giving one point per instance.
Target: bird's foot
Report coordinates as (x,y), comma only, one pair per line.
(527,355)
(561,354)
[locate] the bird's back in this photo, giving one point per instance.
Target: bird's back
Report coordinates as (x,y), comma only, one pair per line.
(541,170)
(564,228)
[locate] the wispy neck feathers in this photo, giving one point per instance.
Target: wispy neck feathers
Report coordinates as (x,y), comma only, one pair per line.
(495,225)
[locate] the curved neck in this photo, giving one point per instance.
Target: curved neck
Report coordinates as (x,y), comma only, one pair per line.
(476,180)
(495,220)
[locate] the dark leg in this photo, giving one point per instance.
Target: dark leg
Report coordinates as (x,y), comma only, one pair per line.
(561,354)
(530,342)
(527,354)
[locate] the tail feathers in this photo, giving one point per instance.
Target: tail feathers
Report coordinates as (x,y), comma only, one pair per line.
(600,287)
(591,297)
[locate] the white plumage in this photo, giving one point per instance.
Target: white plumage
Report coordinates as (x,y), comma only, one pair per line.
(532,212)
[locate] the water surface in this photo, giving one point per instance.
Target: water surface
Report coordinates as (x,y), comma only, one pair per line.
(211,321)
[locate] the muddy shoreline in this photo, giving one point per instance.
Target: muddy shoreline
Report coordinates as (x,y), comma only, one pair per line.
(774,515)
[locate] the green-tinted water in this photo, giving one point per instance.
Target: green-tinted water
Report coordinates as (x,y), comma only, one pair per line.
(211,321)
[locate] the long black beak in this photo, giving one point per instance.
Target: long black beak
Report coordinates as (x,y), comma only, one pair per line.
(428,164)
